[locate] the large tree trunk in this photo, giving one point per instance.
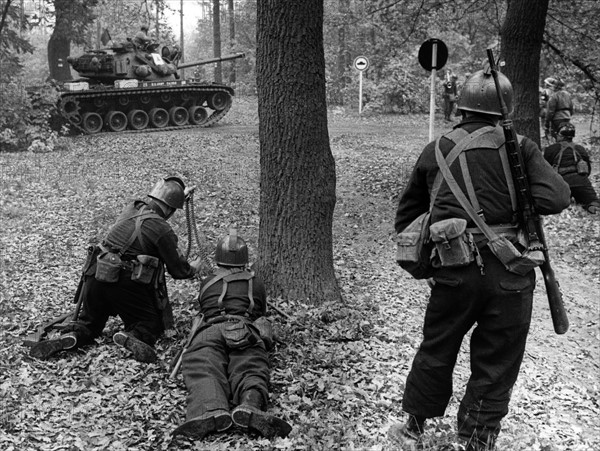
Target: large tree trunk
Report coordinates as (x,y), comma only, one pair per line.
(59,45)
(297,182)
(521,36)
(231,14)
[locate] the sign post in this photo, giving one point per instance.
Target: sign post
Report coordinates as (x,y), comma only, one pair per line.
(361,63)
(433,55)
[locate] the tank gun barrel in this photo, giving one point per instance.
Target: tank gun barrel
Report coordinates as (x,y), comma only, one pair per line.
(212,60)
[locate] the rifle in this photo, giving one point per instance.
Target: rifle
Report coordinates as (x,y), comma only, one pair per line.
(527,215)
(179,359)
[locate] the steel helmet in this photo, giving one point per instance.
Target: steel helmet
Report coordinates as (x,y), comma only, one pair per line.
(479,94)
(169,190)
(567,130)
(231,250)
(550,82)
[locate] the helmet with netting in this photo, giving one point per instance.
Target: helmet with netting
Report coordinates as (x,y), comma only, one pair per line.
(170,190)
(479,94)
(567,130)
(550,82)
(231,250)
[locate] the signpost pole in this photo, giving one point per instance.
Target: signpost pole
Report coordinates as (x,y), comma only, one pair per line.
(360,92)
(432,93)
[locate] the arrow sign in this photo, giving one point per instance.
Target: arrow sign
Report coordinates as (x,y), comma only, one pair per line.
(361,63)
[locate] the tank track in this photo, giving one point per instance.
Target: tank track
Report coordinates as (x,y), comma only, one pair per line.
(87,97)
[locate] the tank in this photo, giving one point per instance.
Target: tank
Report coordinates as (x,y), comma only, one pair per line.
(133,88)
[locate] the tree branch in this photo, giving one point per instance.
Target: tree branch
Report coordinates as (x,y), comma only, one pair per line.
(3,20)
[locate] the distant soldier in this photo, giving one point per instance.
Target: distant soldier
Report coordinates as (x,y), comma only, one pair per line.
(545,93)
(572,161)
(559,108)
(449,94)
(141,39)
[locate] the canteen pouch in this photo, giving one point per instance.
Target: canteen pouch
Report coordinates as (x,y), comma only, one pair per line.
(265,329)
(413,249)
(144,268)
(513,260)
(583,168)
(108,267)
(238,335)
(453,245)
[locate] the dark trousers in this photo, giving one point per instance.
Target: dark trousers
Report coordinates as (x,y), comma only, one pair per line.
(500,305)
(581,189)
(448,108)
(216,374)
(134,303)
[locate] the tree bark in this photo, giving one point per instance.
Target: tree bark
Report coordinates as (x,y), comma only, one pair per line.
(231,14)
(217,39)
(297,182)
(521,35)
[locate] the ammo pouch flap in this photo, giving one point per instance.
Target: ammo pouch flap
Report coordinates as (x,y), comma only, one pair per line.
(108,267)
(453,246)
(144,268)
(512,259)
(238,335)
(412,247)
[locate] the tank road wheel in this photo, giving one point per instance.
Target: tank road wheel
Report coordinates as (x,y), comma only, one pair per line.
(178,115)
(198,115)
(98,102)
(92,123)
(138,119)
(123,100)
(116,121)
(219,100)
(159,117)
(145,99)
(165,97)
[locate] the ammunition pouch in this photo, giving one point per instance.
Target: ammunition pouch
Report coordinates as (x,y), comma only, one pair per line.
(144,268)
(108,267)
(238,335)
(453,245)
(583,168)
(265,330)
(413,251)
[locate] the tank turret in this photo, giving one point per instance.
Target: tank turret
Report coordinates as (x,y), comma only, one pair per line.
(132,87)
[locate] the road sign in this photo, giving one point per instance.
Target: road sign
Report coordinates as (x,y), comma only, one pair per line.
(433,54)
(361,63)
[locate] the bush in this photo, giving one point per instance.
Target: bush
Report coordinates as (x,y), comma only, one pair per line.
(26,118)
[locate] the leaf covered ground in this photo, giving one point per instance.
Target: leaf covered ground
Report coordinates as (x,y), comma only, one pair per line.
(338,370)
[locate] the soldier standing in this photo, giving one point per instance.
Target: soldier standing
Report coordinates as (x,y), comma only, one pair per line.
(227,360)
(480,291)
(141,38)
(124,276)
(572,162)
(449,94)
(559,108)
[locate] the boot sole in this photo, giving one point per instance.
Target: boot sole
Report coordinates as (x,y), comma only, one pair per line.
(142,352)
(46,349)
(268,426)
(200,427)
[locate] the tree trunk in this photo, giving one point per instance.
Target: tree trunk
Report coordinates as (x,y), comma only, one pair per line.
(231,13)
(217,39)
(59,48)
(521,36)
(297,182)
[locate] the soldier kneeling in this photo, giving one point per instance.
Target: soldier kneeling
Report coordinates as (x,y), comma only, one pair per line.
(227,360)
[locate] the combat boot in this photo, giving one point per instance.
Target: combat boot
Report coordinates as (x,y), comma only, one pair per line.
(142,352)
(47,348)
(409,434)
(250,415)
(199,427)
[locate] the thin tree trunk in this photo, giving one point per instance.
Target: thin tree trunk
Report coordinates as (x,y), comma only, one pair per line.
(522,35)
(217,39)
(231,13)
(297,182)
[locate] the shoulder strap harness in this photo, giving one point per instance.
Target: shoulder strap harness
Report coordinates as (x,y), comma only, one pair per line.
(230,275)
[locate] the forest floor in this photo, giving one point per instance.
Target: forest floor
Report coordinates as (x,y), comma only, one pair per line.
(338,371)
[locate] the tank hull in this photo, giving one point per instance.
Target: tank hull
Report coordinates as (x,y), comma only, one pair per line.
(144,106)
